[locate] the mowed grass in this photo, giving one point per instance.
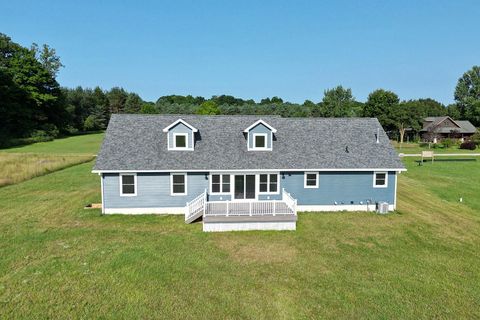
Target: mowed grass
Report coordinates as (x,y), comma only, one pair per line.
(87,144)
(61,261)
(415,148)
(17,167)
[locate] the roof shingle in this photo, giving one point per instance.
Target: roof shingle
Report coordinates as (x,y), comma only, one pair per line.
(136,142)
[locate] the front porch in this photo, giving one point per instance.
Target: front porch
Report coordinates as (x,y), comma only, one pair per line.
(243,215)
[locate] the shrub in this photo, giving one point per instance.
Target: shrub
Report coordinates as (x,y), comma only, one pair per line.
(469,145)
(447,142)
(51,130)
(476,138)
(38,136)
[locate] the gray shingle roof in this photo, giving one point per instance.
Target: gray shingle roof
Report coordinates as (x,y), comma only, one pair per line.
(464,126)
(136,142)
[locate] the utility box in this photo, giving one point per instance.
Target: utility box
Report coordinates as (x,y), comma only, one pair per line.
(382,207)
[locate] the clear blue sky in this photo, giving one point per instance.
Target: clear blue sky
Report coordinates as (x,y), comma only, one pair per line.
(255,49)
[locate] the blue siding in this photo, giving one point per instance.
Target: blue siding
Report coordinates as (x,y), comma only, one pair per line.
(153,190)
(340,187)
(260,128)
(180,128)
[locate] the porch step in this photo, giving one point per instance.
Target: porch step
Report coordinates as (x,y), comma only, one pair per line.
(194,217)
(195,208)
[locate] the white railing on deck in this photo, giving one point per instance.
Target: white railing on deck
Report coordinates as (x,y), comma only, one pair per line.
(196,205)
(252,208)
(289,201)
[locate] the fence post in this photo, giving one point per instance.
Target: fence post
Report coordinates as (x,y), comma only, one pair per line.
(274,207)
(250,208)
(228,207)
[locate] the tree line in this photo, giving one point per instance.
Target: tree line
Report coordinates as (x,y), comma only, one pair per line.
(34,107)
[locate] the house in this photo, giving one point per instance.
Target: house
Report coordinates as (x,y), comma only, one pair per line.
(245,172)
(438,128)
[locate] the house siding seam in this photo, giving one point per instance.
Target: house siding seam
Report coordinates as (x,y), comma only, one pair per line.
(344,188)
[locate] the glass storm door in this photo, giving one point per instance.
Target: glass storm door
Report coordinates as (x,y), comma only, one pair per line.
(244,186)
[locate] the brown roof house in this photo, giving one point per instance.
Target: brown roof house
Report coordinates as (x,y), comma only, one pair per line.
(438,128)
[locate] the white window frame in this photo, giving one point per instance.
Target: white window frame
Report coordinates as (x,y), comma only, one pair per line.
(221,183)
(305,180)
(120,180)
(375,179)
(174,146)
(254,146)
(268,183)
(185,182)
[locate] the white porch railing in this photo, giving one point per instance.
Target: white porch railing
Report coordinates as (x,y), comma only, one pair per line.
(290,201)
(195,206)
(286,206)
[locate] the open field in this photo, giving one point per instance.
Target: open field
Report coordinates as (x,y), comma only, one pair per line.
(82,144)
(17,167)
(61,261)
(415,148)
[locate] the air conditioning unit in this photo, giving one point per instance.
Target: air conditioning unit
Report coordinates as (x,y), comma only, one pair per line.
(382,207)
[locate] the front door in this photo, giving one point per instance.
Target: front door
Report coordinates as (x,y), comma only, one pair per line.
(244,186)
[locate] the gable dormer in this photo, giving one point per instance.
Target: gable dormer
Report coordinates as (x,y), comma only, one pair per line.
(180,136)
(260,136)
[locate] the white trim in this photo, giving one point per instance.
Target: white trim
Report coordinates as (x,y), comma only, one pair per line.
(375,178)
(221,184)
(262,122)
(268,183)
(305,180)
(120,180)
(395,192)
(166,129)
(257,170)
(302,208)
(248,226)
(155,210)
(336,208)
(101,192)
(171,184)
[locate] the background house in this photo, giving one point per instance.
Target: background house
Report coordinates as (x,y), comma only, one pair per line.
(438,128)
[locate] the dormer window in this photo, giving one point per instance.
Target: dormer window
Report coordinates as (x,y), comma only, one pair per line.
(259,140)
(180,136)
(180,140)
(260,136)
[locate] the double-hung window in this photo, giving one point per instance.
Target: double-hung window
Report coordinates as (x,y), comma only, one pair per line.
(220,183)
(268,183)
(178,184)
(380,180)
(311,180)
(128,184)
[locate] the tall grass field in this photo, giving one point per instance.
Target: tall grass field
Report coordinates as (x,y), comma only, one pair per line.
(61,261)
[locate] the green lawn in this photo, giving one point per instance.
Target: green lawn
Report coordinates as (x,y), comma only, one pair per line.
(415,148)
(61,261)
(81,144)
